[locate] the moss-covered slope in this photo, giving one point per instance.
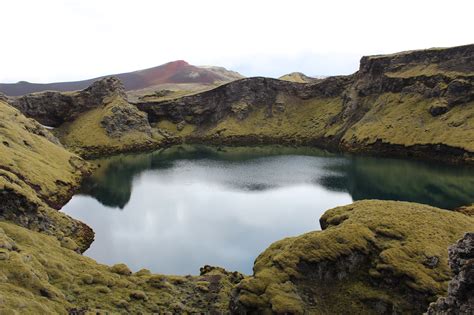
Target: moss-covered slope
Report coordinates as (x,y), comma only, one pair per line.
(39,276)
(394,105)
(371,257)
(36,175)
(92,122)
(31,154)
(112,127)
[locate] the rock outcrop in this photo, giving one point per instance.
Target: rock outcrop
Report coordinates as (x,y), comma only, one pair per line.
(238,99)
(415,104)
(54,108)
(460,299)
(37,176)
(372,257)
(93,122)
(113,127)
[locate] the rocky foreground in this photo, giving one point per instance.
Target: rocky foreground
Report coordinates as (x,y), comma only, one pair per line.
(380,257)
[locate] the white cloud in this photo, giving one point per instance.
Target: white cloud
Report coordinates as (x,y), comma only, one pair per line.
(68,40)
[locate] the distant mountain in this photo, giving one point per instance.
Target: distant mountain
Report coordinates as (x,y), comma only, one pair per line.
(297,77)
(176,72)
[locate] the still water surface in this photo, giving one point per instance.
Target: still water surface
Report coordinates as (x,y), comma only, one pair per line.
(175,210)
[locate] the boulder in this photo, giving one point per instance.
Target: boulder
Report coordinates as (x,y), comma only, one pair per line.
(460,298)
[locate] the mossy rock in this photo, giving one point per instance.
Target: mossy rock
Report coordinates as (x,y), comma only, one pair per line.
(43,277)
(111,128)
(37,176)
(370,257)
(121,269)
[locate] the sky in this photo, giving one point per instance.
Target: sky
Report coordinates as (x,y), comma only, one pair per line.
(53,40)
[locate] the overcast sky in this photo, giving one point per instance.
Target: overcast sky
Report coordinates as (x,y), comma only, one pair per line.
(53,40)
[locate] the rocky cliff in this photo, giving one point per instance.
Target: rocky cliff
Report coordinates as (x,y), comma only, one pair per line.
(415,103)
(92,122)
(460,299)
(54,108)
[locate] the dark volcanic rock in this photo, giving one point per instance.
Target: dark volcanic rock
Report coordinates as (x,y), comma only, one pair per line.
(53,108)
(3,97)
(439,108)
(123,119)
(460,299)
(238,98)
(447,74)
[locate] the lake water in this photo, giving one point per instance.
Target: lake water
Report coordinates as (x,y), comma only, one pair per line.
(175,210)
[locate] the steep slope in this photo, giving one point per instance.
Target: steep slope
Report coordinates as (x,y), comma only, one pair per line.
(417,104)
(54,108)
(176,72)
(372,257)
(95,121)
(36,175)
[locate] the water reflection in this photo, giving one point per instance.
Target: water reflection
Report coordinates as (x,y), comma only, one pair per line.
(362,177)
(184,207)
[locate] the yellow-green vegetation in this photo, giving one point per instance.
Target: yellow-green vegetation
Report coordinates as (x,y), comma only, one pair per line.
(115,126)
(428,70)
(39,276)
(33,163)
(291,118)
(37,173)
(404,119)
(172,91)
(181,129)
(297,77)
(371,257)
(172,94)
(389,118)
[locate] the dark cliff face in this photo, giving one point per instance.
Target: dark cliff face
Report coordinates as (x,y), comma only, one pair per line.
(460,299)
(53,108)
(211,106)
(444,75)
(387,89)
(374,110)
(459,59)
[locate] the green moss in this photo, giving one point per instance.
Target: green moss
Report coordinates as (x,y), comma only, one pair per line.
(37,173)
(405,120)
(31,163)
(121,269)
(297,77)
(87,136)
(39,276)
(173,129)
(297,118)
(333,265)
(414,70)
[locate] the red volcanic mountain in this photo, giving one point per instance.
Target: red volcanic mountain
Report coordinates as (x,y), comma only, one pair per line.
(173,72)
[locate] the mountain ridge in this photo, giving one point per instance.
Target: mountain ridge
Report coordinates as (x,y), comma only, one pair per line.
(177,72)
